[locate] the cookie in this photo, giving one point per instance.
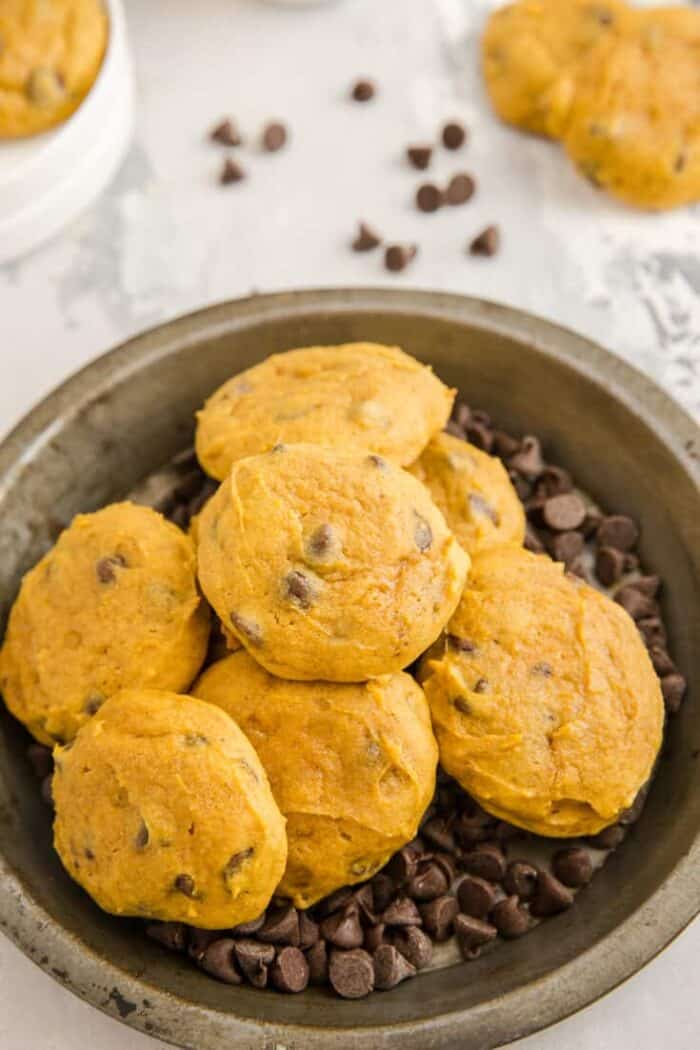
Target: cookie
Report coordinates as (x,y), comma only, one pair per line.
(473,491)
(164,811)
(328,565)
(358,396)
(113,605)
(352,766)
(545,704)
(531,51)
(634,126)
(50,54)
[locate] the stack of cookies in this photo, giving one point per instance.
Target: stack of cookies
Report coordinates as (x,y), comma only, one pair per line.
(380,616)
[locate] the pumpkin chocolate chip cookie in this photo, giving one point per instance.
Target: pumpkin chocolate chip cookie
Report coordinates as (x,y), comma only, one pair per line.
(352,766)
(545,703)
(50,55)
(114,604)
(163,810)
(328,565)
(354,396)
(473,491)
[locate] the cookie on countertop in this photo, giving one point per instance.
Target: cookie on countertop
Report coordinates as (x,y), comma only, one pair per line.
(50,54)
(545,704)
(328,565)
(164,811)
(473,491)
(356,396)
(352,766)
(114,604)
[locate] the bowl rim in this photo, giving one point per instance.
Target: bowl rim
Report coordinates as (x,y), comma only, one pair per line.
(574,985)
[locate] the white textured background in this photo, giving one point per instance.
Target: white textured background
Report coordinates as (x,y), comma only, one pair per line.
(166,239)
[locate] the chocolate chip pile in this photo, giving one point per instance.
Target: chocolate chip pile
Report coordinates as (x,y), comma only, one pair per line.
(468,878)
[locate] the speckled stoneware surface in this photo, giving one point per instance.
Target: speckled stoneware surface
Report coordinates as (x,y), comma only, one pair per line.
(626,443)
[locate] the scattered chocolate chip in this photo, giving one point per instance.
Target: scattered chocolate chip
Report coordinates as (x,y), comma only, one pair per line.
(673,687)
(351,974)
(566,547)
(609,565)
(40,759)
(528,459)
(429,197)
(281,927)
(274,137)
(343,929)
(402,912)
(438,916)
(551,896)
(218,961)
(236,862)
(572,866)
(142,836)
(422,532)
(460,189)
(246,929)
(520,879)
(419,156)
(618,531)
(638,605)
(317,958)
(509,918)
(290,971)
(608,838)
(225,133)
(487,242)
(564,512)
(390,967)
(374,936)
(428,882)
(251,630)
(105,568)
(253,960)
(184,884)
(476,896)
(231,172)
(414,945)
(438,833)
(298,589)
(363,90)
(472,934)
(485,860)
(398,256)
(454,135)
(171,935)
(366,239)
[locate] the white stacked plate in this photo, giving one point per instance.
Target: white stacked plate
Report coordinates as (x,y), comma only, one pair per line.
(46,180)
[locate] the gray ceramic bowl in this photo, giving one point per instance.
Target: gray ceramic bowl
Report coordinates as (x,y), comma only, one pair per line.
(127,414)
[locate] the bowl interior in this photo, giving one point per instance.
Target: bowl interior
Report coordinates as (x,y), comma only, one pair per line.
(125,416)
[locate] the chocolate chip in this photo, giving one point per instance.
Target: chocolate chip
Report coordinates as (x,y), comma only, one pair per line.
(290,971)
(487,242)
(422,532)
(281,927)
(419,156)
(390,967)
(673,687)
(236,862)
(383,889)
(363,90)
(333,902)
(608,838)
(414,945)
(274,137)
(520,879)
(566,547)
(40,759)
(551,896)
(402,912)
(438,916)
(479,506)
(299,589)
(572,866)
(343,929)
(543,669)
(609,565)
(253,960)
(184,884)
(455,430)
(447,864)
(454,135)
(429,197)
(142,836)
(509,918)
(476,896)
(438,833)
(480,435)
(398,256)
(231,172)
(428,882)
(618,531)
(472,934)
(251,630)
(308,931)
(217,960)
(171,935)
(528,459)
(402,866)
(226,133)
(245,929)
(374,936)
(105,568)
(632,815)
(366,239)
(663,664)
(364,898)
(638,605)
(485,860)
(564,512)
(462,645)
(460,189)
(653,631)
(317,958)
(505,445)
(351,974)
(553,481)
(473,825)
(647,585)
